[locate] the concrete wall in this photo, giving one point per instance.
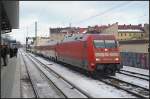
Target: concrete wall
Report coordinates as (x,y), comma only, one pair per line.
(135,53)
(139,48)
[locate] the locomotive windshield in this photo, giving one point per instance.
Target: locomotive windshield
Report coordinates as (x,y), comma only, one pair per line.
(99,43)
(110,44)
(105,43)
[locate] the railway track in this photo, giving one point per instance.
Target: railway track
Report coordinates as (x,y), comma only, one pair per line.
(133,74)
(133,80)
(128,74)
(71,90)
(26,88)
(43,88)
(126,86)
(30,80)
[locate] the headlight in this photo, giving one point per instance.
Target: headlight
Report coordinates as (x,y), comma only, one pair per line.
(97,59)
(116,59)
(92,64)
(106,49)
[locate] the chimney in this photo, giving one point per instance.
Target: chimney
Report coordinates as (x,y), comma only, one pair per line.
(96,26)
(140,25)
(49,32)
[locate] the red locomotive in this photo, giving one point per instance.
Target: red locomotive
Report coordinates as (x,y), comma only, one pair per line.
(95,53)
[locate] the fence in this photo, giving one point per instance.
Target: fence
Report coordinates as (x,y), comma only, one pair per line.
(138,60)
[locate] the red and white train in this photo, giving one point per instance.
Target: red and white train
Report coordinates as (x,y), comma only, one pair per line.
(95,53)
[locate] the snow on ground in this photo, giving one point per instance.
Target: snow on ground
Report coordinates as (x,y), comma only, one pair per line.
(133,80)
(95,88)
(136,70)
(129,30)
(138,75)
(43,88)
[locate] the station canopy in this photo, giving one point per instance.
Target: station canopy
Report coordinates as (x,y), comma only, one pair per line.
(9,15)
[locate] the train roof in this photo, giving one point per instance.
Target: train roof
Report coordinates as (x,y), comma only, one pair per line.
(49,42)
(72,37)
(101,34)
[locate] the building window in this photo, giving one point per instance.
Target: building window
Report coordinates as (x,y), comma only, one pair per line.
(125,34)
(141,35)
(121,34)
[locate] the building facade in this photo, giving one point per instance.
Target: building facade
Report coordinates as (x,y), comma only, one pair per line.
(111,29)
(146,29)
(41,41)
(122,32)
(131,32)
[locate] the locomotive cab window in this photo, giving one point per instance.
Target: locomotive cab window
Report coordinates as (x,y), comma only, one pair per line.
(110,44)
(105,43)
(99,43)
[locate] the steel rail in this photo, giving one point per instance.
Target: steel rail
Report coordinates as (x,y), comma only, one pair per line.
(48,78)
(73,85)
(135,73)
(133,76)
(119,87)
(26,79)
(34,89)
(130,88)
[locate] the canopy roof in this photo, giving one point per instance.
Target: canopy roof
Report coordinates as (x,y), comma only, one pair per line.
(9,15)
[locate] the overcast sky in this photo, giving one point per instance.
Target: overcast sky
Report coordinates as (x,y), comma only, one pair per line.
(78,13)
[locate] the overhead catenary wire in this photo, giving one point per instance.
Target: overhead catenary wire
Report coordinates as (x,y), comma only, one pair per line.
(104,12)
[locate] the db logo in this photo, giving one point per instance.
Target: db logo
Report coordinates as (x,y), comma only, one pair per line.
(106,54)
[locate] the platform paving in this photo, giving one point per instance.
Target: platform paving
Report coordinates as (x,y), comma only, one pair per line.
(10,78)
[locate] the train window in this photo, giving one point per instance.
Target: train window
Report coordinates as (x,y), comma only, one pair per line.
(99,43)
(80,37)
(110,44)
(76,38)
(142,35)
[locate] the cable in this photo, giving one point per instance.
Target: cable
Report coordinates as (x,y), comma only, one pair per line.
(106,11)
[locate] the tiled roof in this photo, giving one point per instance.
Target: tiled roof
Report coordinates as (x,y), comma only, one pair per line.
(130,27)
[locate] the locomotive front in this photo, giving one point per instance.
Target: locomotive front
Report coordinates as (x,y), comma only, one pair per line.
(107,54)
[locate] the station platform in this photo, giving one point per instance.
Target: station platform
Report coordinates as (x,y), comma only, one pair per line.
(10,78)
